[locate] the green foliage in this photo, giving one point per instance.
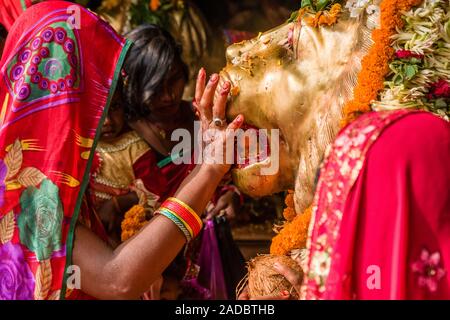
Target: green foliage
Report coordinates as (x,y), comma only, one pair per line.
(404,70)
(319,5)
(141,13)
(314,6)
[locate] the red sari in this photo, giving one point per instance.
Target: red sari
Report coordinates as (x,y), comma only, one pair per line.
(10,10)
(160,175)
(56,84)
(381,217)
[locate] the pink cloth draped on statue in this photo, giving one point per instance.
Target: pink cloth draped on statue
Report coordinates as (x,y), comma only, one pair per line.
(381,220)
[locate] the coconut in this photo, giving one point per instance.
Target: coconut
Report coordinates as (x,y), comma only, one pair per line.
(264,280)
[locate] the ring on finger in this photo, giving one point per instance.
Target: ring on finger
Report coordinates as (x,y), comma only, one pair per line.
(218,122)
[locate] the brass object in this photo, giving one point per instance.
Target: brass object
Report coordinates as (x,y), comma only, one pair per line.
(295,78)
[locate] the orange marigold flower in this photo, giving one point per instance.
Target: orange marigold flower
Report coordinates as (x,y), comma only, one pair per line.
(155,4)
(375,65)
(289,214)
(134,220)
(289,200)
(327,18)
(293,235)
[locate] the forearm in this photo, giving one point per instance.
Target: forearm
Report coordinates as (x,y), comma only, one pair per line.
(202,183)
(128,271)
(196,191)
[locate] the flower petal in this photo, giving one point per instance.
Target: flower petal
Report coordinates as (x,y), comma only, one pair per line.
(435,258)
(431,284)
(440,273)
(418,267)
(424,255)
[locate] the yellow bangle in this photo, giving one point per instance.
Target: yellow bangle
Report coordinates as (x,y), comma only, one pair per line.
(188,227)
(181,203)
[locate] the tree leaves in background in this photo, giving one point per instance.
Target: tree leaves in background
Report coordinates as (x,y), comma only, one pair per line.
(141,13)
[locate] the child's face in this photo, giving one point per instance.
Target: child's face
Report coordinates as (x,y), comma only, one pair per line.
(114,122)
(167,101)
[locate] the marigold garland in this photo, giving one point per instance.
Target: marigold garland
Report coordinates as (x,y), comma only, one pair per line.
(289,212)
(375,65)
(134,220)
(293,235)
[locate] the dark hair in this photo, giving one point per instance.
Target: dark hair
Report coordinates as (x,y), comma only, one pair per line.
(148,62)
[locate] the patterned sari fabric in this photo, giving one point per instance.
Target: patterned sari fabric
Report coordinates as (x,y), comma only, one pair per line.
(381,218)
(57,76)
(10,10)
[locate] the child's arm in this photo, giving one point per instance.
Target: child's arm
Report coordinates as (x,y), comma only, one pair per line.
(112,212)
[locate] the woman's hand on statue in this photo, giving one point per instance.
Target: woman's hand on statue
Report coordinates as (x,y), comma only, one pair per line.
(215,130)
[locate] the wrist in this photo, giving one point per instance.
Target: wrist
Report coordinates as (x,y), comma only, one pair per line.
(215,170)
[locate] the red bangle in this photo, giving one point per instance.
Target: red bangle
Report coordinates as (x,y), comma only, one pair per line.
(184,214)
(194,222)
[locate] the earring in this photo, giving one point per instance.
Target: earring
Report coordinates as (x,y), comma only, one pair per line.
(124,77)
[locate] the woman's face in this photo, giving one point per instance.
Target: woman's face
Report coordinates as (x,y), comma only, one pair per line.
(167,99)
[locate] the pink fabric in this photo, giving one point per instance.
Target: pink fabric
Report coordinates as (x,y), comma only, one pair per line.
(397,217)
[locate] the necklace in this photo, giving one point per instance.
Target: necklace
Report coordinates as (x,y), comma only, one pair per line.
(160,135)
(161,132)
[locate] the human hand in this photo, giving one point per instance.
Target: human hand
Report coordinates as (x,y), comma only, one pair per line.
(216,135)
(295,279)
(244,295)
(228,205)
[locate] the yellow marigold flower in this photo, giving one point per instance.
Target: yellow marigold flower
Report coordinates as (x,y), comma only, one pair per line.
(134,220)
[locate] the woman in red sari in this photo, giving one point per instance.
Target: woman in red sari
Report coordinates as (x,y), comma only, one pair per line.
(56,84)
(381,215)
(381,218)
